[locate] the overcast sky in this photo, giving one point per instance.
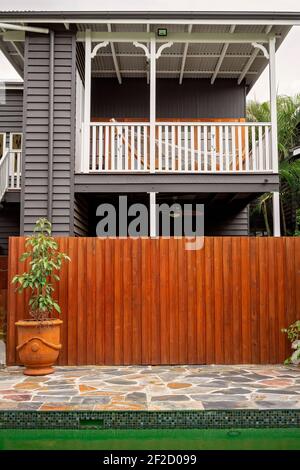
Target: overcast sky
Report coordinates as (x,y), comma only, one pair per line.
(287,57)
(151,5)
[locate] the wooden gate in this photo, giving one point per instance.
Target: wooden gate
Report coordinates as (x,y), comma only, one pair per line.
(149,301)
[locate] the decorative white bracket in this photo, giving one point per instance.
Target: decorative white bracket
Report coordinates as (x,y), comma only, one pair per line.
(161,48)
(97,47)
(142,46)
(262,48)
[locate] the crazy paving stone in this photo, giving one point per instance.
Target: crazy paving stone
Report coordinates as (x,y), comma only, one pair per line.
(227,405)
(278,391)
(136,397)
(178,385)
(28,386)
(170,398)
(95,401)
(121,406)
(86,388)
(278,382)
(121,382)
(234,391)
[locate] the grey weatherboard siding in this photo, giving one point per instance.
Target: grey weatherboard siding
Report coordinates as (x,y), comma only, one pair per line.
(195,98)
(11,120)
(11,112)
(234,225)
(37,132)
(9,225)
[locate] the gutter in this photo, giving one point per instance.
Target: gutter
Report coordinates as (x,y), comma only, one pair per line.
(68,16)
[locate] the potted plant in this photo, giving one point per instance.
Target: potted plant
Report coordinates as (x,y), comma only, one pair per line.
(39,337)
(293,333)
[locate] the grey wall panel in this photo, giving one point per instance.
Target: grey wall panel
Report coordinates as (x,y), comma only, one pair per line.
(237,224)
(63,133)
(81,219)
(80,58)
(35,143)
(36,175)
(11,112)
(195,98)
(9,224)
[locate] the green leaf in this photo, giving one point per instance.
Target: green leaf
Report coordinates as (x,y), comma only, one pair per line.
(45,261)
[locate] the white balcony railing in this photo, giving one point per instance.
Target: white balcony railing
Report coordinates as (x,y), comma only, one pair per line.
(10,172)
(185,147)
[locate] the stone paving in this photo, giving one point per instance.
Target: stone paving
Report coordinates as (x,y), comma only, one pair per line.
(152,388)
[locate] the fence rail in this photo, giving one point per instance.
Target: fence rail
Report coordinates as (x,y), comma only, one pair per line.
(182,147)
(149,301)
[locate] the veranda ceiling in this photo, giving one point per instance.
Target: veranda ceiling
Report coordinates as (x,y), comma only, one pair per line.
(181,60)
(195,60)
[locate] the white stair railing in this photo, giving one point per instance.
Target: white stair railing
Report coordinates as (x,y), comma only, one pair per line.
(10,172)
(14,180)
(4,175)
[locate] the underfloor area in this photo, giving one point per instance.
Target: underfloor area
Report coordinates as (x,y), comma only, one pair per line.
(152,388)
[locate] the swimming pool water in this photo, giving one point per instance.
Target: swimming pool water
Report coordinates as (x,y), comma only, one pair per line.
(154,439)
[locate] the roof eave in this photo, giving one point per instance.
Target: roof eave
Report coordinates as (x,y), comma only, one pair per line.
(234,15)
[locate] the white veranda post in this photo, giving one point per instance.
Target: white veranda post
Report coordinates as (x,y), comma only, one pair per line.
(152,103)
(273,108)
(85,162)
(153,227)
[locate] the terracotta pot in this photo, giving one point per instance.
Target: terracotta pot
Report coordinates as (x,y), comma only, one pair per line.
(38,345)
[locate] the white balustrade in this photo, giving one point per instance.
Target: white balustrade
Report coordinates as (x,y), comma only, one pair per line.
(185,147)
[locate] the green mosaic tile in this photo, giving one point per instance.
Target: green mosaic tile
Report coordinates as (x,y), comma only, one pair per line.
(149,419)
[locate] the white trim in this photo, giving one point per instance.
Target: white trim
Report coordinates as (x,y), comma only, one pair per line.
(16,36)
(97,47)
(187,72)
(177,55)
(221,58)
(152,103)
(87,102)
(183,123)
(162,47)
(153,228)
(276,214)
(142,46)
(148,46)
(18,51)
(115,60)
(273,105)
(4,144)
(256,45)
(207,38)
(144,21)
(251,59)
(31,29)
(184,56)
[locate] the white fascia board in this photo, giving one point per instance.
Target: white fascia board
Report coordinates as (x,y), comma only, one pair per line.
(184,21)
(209,38)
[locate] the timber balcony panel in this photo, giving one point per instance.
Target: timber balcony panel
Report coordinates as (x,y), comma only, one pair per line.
(150,301)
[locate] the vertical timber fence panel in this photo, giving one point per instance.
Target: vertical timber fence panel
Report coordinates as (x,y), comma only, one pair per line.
(150,301)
